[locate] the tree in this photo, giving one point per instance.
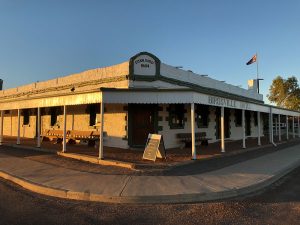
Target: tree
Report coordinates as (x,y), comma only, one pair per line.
(285,93)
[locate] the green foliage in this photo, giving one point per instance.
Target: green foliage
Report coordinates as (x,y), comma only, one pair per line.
(285,93)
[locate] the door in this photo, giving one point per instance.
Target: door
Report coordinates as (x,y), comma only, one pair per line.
(226,123)
(142,122)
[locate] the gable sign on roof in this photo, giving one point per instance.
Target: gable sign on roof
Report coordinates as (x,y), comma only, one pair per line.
(145,64)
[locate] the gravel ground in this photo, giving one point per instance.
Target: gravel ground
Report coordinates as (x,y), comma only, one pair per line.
(279,204)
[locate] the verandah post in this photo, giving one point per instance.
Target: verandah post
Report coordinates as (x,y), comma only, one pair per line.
(258,129)
(243,127)
(279,128)
(271,140)
(287,127)
(222,131)
(38,127)
(1,128)
(194,154)
(101,127)
(298,127)
(293,127)
(276,126)
(18,137)
(65,130)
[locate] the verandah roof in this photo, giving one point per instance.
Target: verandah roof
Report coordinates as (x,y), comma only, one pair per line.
(141,96)
(186,96)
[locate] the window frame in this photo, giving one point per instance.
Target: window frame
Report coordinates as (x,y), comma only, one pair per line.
(93,110)
(53,116)
(176,112)
(26,117)
(238,117)
(255,119)
(202,116)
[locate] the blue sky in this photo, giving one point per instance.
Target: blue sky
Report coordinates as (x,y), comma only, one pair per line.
(41,40)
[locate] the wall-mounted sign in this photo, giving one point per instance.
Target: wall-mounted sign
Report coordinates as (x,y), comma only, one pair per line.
(144,65)
(229,103)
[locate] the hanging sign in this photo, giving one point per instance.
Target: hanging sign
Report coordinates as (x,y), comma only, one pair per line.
(154,148)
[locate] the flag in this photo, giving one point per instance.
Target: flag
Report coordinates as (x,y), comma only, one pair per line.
(252,60)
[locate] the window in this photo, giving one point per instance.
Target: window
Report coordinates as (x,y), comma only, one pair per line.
(93,110)
(255,118)
(238,118)
(25,116)
(53,113)
(202,113)
(176,116)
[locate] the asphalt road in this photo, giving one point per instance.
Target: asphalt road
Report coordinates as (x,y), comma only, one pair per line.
(279,204)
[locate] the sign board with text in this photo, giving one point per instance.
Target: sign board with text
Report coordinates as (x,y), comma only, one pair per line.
(144,65)
(154,148)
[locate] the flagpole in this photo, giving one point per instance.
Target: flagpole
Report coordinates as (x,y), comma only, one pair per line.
(256,66)
(257,81)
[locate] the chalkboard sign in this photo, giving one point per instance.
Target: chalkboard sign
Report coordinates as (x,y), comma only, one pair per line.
(155,147)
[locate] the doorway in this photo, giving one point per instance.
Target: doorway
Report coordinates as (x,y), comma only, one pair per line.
(142,120)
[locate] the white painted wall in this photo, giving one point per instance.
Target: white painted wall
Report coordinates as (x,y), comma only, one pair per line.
(77,119)
(169,135)
(115,123)
(193,78)
(11,125)
(154,84)
(237,131)
(88,75)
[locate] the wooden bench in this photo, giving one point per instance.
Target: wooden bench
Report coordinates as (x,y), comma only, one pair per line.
(96,137)
(44,135)
(87,136)
(56,135)
(186,138)
(73,135)
(78,134)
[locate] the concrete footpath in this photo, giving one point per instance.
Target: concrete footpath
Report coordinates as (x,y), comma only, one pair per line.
(238,179)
